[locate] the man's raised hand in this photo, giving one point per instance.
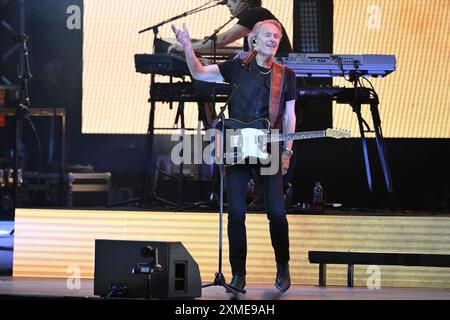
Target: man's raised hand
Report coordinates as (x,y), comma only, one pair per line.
(182,36)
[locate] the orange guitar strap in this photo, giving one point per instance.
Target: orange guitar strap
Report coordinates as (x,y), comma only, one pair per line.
(276,89)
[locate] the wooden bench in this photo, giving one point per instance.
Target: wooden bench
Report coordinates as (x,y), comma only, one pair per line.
(365,258)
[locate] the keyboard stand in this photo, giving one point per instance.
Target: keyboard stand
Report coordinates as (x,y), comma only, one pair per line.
(365,128)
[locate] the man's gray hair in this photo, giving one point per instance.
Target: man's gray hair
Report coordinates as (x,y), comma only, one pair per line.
(254,33)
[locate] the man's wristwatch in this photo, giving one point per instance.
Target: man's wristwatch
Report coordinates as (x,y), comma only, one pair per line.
(288,151)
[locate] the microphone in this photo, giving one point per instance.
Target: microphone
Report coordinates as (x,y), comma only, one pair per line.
(249,59)
(221,1)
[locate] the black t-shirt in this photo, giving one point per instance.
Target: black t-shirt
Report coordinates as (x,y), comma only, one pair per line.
(250,17)
(251,94)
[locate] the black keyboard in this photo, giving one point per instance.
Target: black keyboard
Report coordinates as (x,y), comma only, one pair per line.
(190,91)
(162,64)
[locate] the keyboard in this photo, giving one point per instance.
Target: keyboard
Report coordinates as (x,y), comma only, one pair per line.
(325,65)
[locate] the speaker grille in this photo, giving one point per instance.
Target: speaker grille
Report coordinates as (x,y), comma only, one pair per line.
(309,27)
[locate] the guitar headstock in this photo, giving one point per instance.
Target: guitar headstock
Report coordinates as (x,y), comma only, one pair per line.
(337,133)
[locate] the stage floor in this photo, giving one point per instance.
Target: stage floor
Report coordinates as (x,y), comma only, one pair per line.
(56,288)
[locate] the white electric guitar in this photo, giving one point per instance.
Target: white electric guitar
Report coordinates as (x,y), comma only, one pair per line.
(251,140)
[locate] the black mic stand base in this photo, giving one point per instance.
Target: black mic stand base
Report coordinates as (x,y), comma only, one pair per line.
(219,280)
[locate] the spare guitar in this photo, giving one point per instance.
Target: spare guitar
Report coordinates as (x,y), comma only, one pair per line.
(252,140)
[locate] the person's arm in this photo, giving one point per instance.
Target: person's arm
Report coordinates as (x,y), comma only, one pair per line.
(289,122)
(210,73)
(223,39)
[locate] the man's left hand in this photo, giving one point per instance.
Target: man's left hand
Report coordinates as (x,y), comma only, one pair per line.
(285,160)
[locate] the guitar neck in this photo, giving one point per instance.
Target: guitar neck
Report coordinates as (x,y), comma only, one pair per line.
(297,136)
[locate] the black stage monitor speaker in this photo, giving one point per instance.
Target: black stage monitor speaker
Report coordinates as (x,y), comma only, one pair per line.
(179,276)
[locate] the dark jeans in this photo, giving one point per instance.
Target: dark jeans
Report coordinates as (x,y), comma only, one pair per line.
(237,179)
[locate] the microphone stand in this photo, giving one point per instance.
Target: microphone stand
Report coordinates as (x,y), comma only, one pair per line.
(21,113)
(219,279)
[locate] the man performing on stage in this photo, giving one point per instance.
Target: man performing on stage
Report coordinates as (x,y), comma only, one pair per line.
(256,96)
(248,13)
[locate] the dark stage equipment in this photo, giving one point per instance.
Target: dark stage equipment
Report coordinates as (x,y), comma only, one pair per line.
(129,268)
(313,33)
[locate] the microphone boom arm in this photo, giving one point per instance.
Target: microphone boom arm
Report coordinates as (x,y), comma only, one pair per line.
(184,14)
(216,31)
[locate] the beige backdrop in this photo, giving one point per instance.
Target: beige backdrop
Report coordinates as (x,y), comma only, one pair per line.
(114,95)
(415,100)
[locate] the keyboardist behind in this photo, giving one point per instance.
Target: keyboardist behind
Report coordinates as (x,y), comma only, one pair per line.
(249,12)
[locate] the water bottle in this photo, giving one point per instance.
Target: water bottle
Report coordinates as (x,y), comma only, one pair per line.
(318,196)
